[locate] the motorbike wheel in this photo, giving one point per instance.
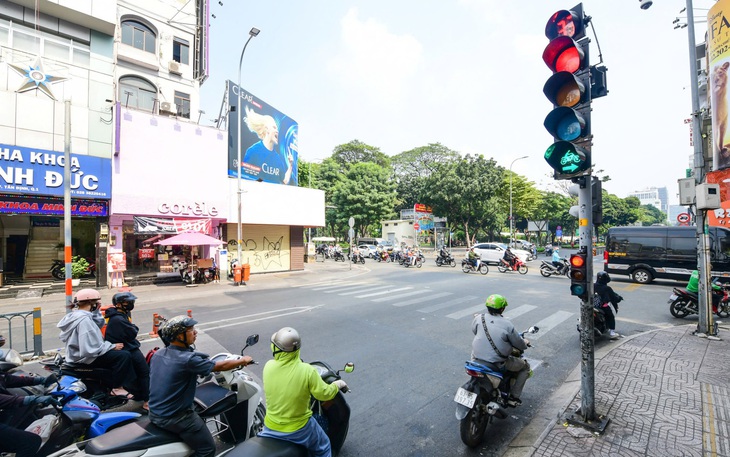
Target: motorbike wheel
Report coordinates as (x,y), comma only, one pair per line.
(438,261)
(679,309)
(452,263)
(724,310)
(465,267)
(258,421)
(483,269)
(419,264)
(472,427)
(501,268)
(58,273)
(362,260)
(522,269)
(545,271)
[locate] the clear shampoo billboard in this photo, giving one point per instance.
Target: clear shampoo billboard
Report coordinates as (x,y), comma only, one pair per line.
(269,140)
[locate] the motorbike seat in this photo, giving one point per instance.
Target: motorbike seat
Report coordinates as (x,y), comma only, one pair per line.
(485,367)
(267,447)
(136,436)
(212,399)
(85,372)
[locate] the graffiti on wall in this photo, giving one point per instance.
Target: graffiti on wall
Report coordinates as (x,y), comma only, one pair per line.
(263,254)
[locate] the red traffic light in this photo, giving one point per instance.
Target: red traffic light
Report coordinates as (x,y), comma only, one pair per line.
(566,23)
(563,54)
(564,89)
(577,261)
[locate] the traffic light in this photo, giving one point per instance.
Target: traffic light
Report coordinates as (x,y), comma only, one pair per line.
(597,200)
(579,274)
(570,90)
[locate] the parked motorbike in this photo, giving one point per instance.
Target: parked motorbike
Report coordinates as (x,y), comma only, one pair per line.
(357,257)
(547,268)
(229,401)
(483,397)
(58,269)
(600,327)
(683,303)
(448,259)
(332,415)
(517,265)
(467,267)
(338,255)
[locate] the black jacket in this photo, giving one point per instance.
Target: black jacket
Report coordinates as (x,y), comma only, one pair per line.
(607,294)
(120,330)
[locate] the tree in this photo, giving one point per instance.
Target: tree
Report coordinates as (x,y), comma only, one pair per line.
(356,152)
(651,215)
(411,168)
(553,209)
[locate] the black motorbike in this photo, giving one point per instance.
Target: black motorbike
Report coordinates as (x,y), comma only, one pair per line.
(338,255)
(547,268)
(445,258)
(467,266)
(357,258)
(332,415)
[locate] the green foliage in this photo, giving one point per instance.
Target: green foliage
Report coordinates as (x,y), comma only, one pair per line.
(651,215)
(356,152)
(412,168)
(79,266)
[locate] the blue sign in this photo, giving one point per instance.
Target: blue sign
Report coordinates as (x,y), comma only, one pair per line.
(30,171)
(558,232)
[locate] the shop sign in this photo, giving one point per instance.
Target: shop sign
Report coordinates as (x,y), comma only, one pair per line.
(40,172)
(116,262)
(52,207)
(150,225)
(146,253)
(188,209)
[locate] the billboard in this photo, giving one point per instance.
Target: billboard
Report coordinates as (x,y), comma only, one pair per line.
(718,51)
(269,140)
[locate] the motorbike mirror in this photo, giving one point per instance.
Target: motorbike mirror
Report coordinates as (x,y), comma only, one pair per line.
(349,367)
(250,341)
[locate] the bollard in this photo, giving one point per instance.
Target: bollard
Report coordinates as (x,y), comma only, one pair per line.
(37,332)
(156,318)
(190,313)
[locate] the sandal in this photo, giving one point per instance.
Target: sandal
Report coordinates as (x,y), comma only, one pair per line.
(120,392)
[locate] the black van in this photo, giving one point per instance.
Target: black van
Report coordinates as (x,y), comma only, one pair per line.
(648,253)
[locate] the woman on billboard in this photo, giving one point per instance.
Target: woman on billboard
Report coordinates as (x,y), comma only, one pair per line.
(262,160)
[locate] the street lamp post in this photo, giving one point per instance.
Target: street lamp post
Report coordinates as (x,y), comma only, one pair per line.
(511,222)
(252,33)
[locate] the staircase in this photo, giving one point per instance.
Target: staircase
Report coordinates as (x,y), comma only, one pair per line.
(41,252)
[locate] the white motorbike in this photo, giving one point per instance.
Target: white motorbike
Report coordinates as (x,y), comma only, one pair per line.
(231,403)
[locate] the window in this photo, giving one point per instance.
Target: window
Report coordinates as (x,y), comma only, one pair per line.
(180,51)
(182,101)
(138,35)
(137,93)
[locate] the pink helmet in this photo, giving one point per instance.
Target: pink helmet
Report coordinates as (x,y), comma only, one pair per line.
(87,294)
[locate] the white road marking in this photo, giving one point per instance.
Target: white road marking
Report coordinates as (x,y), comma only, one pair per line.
(390,291)
(417,300)
(550,323)
(255,317)
(360,290)
(447,304)
(409,294)
(519,311)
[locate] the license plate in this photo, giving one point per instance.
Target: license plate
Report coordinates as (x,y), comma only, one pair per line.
(672,298)
(464,397)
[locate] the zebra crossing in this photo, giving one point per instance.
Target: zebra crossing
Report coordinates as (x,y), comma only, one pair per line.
(448,304)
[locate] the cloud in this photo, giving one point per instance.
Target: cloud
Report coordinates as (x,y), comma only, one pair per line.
(374,61)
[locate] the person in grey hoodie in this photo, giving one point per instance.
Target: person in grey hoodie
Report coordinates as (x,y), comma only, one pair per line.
(85,343)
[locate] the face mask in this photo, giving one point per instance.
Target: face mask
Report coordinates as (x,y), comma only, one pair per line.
(129,306)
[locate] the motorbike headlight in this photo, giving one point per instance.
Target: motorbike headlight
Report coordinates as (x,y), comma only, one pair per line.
(77,386)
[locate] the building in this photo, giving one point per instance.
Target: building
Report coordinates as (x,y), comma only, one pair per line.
(658,197)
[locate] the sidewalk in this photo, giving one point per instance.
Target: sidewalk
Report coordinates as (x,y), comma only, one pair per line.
(666,393)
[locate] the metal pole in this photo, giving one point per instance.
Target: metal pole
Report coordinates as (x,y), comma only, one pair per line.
(67,202)
(239,108)
(585,224)
(705,325)
(511,222)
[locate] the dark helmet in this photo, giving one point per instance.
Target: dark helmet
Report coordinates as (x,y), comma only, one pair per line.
(124,297)
(603,278)
(286,339)
(174,327)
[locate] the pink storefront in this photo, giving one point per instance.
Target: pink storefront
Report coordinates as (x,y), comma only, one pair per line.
(166,179)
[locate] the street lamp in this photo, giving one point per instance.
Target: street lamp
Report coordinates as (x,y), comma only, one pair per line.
(511,222)
(252,33)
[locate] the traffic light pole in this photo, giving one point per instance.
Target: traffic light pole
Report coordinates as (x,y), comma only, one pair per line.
(586,416)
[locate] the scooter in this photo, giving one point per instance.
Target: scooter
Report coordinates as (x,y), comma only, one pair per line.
(547,268)
(332,415)
(517,265)
(483,397)
(357,257)
(338,255)
(683,303)
(467,267)
(448,259)
(231,403)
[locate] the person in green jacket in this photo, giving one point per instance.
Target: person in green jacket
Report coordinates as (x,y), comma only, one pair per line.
(288,385)
(694,286)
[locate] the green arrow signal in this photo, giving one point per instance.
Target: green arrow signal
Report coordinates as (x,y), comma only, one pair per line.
(570,168)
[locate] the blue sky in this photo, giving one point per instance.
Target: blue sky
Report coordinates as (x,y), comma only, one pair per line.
(464,73)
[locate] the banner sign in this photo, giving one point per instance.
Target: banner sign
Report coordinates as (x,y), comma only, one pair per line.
(149,225)
(52,206)
(269,140)
(421,208)
(718,52)
(39,172)
(146,253)
(116,262)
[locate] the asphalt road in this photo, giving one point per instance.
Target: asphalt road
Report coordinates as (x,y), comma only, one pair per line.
(408,332)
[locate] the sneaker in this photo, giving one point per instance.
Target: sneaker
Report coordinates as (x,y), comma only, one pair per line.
(613,335)
(513,401)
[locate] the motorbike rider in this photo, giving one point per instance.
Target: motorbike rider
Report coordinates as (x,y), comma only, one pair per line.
(85,343)
(495,337)
(120,329)
(174,371)
(558,261)
(509,257)
(474,258)
(288,385)
(607,295)
(693,287)
(22,443)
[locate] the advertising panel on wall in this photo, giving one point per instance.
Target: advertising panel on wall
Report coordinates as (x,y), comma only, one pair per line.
(269,140)
(31,171)
(721,216)
(718,51)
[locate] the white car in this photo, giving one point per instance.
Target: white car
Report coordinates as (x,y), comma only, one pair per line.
(493,252)
(368,250)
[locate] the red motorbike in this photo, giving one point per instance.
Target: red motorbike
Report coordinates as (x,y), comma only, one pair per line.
(516,265)
(383,256)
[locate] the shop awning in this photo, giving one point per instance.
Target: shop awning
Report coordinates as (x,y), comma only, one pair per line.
(190,239)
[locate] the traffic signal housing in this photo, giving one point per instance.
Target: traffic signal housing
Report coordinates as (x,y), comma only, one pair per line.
(597,200)
(579,274)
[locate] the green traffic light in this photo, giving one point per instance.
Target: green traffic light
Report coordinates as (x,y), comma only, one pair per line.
(566,158)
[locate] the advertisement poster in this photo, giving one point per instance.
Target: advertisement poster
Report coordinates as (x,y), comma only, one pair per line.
(721,216)
(269,140)
(116,262)
(718,52)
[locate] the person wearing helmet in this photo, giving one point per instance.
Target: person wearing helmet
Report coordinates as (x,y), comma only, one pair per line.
(494,338)
(473,258)
(558,261)
(85,344)
(120,329)
(509,257)
(174,371)
(289,384)
(606,295)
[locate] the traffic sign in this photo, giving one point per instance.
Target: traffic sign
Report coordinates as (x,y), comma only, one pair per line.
(351,222)
(683,218)
(416,226)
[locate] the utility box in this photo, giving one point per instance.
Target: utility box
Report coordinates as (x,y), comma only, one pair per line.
(686,191)
(708,196)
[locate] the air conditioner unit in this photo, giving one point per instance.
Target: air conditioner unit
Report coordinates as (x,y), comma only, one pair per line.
(167,107)
(174,67)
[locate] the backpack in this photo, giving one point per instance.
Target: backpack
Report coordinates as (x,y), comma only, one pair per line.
(150,353)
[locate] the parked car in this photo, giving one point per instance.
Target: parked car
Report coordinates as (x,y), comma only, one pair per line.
(368,250)
(493,252)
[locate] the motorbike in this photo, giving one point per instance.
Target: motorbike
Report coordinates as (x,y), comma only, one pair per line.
(58,269)
(548,250)
(483,397)
(332,415)
(338,255)
(467,267)
(409,261)
(231,403)
(517,265)
(448,259)
(357,257)
(383,256)
(600,327)
(547,268)
(683,303)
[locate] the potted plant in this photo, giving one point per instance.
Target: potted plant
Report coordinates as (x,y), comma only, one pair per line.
(79,267)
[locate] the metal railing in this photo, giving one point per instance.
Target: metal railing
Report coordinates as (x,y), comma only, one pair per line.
(36,330)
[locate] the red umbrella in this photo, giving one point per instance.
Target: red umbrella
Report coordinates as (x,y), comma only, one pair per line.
(190,239)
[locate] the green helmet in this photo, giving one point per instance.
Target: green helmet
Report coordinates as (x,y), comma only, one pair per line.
(496,302)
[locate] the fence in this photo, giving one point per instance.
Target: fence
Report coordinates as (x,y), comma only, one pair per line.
(36,330)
